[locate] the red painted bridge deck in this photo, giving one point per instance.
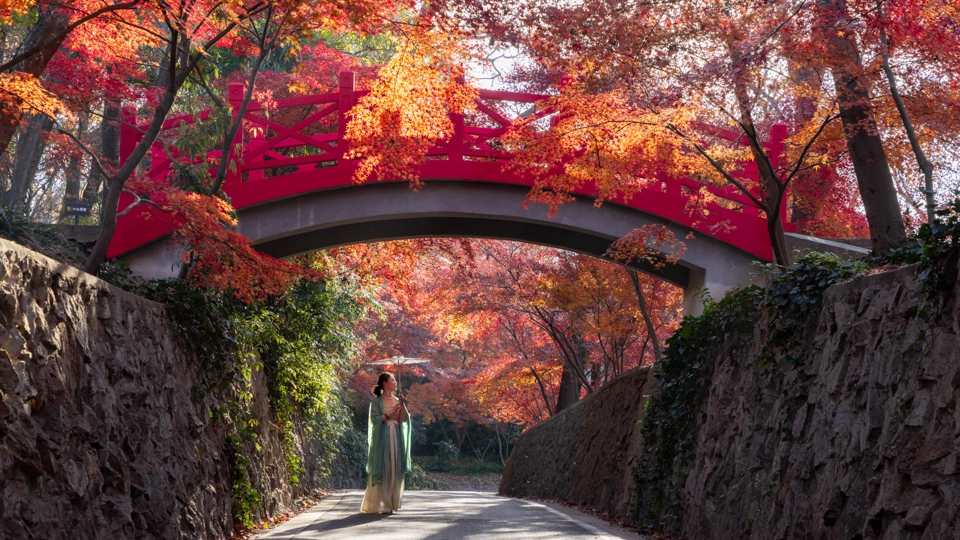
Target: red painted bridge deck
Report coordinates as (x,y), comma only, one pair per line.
(470,155)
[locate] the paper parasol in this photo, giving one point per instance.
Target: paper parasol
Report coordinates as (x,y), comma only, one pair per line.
(398,361)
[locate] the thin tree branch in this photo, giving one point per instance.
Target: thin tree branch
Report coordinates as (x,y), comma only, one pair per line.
(58,38)
(718,167)
(93,157)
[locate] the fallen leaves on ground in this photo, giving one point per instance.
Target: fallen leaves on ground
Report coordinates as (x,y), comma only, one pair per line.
(302,504)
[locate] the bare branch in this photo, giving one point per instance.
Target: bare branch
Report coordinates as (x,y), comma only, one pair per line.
(719,167)
(93,157)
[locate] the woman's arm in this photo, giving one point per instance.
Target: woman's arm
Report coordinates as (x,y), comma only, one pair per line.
(386,416)
(404,414)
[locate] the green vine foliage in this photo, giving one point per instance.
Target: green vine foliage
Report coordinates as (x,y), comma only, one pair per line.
(304,340)
(796,293)
(245,497)
(418,479)
(348,466)
(931,246)
(193,141)
(726,327)
(301,340)
(670,415)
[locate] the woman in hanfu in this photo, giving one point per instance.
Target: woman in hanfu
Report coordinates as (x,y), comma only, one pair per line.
(388,456)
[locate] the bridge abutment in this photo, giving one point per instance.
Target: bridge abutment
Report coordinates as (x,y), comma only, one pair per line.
(156,260)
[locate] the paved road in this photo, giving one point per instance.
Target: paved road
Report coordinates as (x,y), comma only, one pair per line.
(442,515)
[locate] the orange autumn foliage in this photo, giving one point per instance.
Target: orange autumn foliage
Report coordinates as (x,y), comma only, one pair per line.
(221,258)
(406,113)
(9,8)
(21,93)
(478,309)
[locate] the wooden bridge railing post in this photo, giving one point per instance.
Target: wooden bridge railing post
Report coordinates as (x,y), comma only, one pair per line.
(257,137)
(455,148)
(235,92)
(348,83)
(129,135)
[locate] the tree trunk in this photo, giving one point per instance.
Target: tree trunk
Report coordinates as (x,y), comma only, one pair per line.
(91,187)
(569,392)
(804,108)
(72,177)
(29,149)
(781,254)
(924,164)
(773,189)
(108,222)
(647,321)
(72,174)
(543,389)
(51,21)
(582,357)
(235,126)
(116,182)
(496,426)
(109,154)
(869,159)
(566,345)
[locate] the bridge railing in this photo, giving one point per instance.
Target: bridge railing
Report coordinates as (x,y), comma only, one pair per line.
(297,145)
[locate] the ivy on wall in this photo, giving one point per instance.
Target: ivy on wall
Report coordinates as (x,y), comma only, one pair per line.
(681,380)
(932,247)
(686,369)
(301,340)
(792,298)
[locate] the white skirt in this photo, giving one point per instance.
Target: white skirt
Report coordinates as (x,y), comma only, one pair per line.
(386,496)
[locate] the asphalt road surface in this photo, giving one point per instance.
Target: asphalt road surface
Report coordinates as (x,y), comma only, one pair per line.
(442,515)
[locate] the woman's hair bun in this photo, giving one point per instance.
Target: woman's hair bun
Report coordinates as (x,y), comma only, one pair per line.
(378,389)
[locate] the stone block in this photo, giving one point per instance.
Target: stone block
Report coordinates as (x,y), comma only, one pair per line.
(921,506)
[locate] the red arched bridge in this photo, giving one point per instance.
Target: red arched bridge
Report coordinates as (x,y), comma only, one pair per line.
(295,192)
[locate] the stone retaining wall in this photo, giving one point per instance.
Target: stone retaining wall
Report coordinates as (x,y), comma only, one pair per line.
(100,435)
(859,439)
(584,454)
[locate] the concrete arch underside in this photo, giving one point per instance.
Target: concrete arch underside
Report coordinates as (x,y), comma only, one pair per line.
(392,211)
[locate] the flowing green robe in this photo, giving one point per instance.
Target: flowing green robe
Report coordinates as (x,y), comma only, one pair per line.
(376,441)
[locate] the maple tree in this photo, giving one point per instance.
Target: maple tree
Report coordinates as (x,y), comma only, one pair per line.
(21,89)
(648,71)
(624,123)
(640,92)
(187,33)
(150,59)
(516,332)
(917,42)
(647,88)
(863,139)
(220,257)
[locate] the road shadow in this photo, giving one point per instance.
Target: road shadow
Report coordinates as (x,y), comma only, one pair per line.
(354,520)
